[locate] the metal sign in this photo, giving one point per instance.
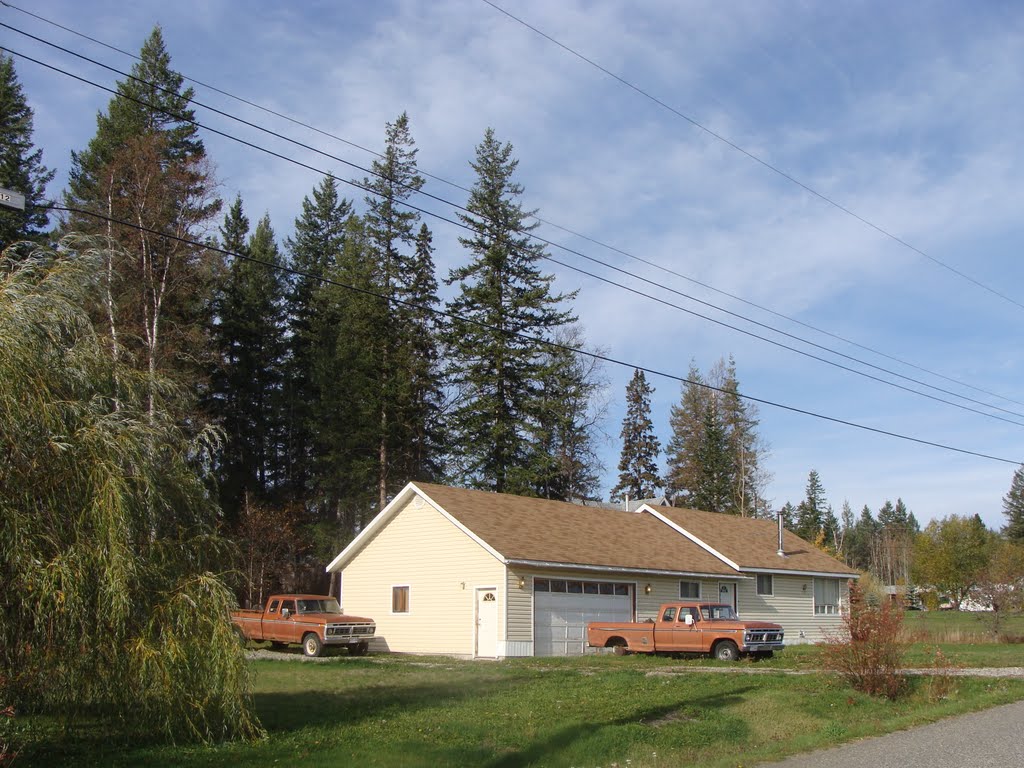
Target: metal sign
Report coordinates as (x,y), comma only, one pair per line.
(12,199)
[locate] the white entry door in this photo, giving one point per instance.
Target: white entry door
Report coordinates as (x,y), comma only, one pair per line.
(727,593)
(487,623)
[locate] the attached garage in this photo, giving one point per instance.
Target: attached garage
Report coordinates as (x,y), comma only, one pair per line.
(562,608)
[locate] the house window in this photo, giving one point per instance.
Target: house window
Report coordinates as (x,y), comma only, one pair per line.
(826,596)
(399,599)
(689,590)
(765,585)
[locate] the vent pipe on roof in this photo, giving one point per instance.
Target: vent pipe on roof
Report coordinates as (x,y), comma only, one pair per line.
(625,504)
(781,552)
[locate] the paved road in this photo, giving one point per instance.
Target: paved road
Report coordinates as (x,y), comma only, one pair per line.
(990,739)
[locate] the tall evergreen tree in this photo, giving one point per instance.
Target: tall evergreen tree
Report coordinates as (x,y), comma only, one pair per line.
(504,303)
(811,512)
(1013,507)
(638,462)
(564,445)
(320,237)
(146,166)
(21,166)
(249,384)
(715,447)
(404,341)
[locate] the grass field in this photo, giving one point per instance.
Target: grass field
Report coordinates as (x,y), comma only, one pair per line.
(585,712)
(960,627)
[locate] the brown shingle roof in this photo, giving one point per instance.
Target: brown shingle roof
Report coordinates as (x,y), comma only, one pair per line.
(754,543)
(521,528)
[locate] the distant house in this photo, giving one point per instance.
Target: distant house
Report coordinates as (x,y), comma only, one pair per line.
(479,574)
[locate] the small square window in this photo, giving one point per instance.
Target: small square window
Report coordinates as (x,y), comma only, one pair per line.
(607,588)
(575,587)
(399,599)
(765,584)
(590,587)
(622,589)
(689,590)
(540,585)
(557,585)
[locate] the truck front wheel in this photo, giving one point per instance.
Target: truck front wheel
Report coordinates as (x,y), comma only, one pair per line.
(726,650)
(311,645)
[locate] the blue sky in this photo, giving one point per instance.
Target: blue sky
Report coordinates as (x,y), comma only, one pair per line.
(908,114)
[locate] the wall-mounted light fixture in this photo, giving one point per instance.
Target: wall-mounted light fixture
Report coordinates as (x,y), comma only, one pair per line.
(522,582)
(647,589)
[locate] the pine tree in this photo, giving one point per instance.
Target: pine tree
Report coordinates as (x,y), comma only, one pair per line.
(638,462)
(564,455)
(21,166)
(712,421)
(404,345)
(810,513)
(147,167)
(250,341)
(320,237)
(503,299)
(1013,507)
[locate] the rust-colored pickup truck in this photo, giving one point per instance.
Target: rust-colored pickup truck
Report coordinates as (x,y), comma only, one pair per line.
(312,620)
(685,627)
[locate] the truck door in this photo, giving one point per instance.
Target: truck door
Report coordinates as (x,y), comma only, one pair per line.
(289,631)
(688,635)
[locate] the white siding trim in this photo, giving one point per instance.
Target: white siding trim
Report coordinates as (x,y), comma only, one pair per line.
(387,513)
(690,536)
(820,574)
(617,569)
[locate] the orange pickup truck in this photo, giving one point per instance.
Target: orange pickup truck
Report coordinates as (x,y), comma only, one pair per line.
(709,628)
(312,620)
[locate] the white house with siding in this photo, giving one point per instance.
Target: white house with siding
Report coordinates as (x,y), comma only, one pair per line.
(477,574)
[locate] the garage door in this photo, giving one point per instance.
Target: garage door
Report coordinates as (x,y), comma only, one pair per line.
(562,609)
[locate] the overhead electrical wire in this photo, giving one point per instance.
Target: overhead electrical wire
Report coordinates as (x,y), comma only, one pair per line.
(757,159)
(567,230)
(533,339)
(539,239)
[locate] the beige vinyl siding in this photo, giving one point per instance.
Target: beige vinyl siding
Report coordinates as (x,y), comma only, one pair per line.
(520,608)
(442,566)
(665,589)
(792,606)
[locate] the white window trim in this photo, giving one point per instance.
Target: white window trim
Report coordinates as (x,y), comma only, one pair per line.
(408,600)
(764,594)
(814,598)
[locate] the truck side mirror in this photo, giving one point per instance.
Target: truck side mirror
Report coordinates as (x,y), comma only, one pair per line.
(689,619)
(285,613)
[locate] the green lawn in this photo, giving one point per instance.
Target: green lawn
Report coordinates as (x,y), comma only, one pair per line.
(596,711)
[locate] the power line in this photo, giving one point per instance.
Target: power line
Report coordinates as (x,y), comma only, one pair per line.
(760,161)
(527,337)
(550,223)
(539,239)
(567,230)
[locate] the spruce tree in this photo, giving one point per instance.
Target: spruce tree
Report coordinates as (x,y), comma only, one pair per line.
(715,446)
(638,462)
(320,237)
(811,512)
(250,337)
(564,455)
(1013,507)
(403,343)
(504,302)
(21,166)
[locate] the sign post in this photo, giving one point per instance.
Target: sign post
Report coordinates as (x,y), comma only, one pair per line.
(12,199)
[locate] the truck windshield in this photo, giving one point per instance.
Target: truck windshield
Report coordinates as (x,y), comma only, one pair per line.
(718,612)
(324,605)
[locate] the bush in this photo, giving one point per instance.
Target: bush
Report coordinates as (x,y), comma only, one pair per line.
(868,654)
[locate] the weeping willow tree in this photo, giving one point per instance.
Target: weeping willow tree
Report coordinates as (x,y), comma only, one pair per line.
(111,603)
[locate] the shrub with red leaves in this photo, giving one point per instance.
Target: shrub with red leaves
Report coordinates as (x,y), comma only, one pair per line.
(868,654)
